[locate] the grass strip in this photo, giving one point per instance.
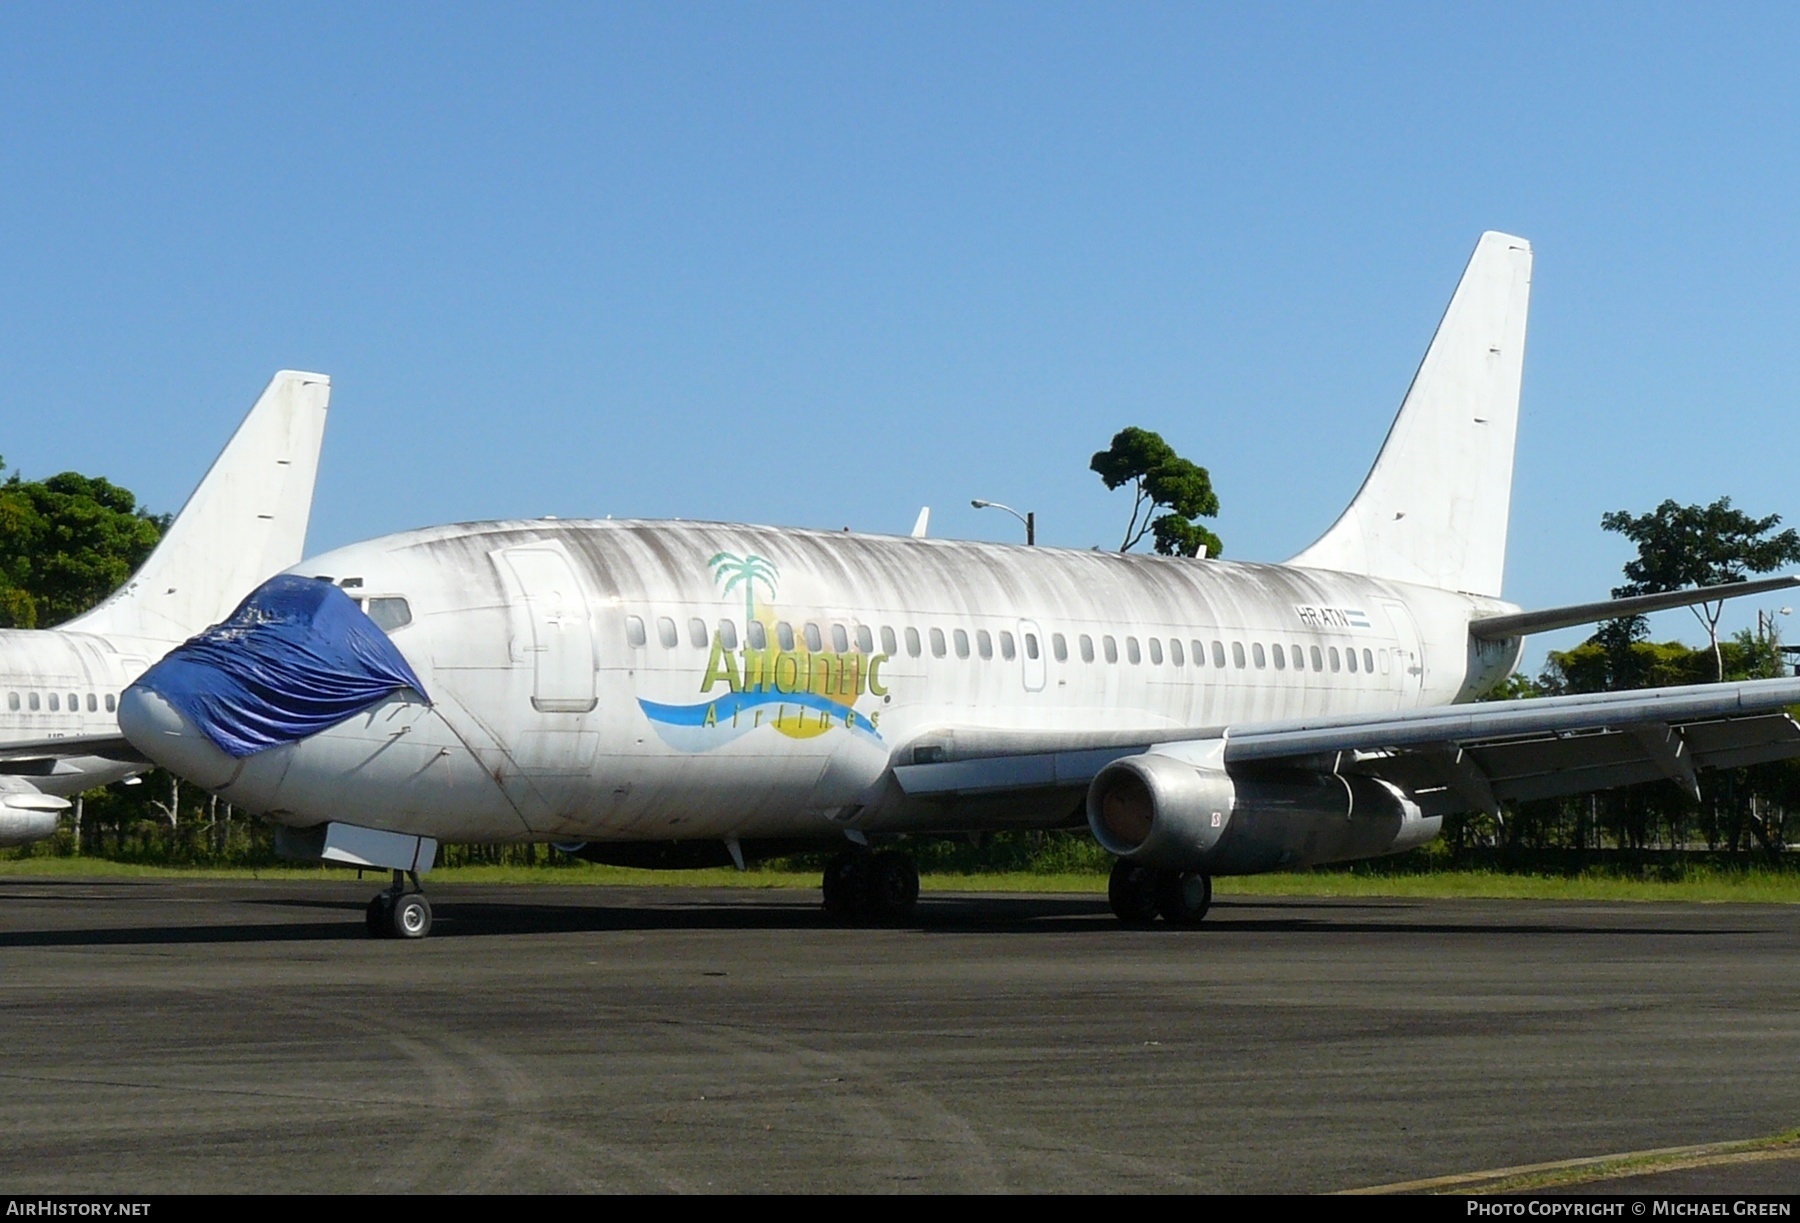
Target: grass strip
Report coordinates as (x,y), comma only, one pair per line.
(1527,1178)
(1754,886)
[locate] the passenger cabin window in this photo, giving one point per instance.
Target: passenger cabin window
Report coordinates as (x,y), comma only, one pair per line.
(815,641)
(92,704)
(1110,647)
(1031,646)
(1237,654)
(1318,660)
(697,633)
(110,706)
(1280,657)
(865,640)
(840,639)
(390,613)
(1087,648)
(962,643)
(74,703)
(984,643)
(728,634)
(55,706)
(912,643)
(1350,657)
(1132,652)
(1008,648)
(1059,646)
(937,643)
(890,645)
(665,632)
(32,700)
(12,701)
(1219,653)
(1335,661)
(756,633)
(1155,644)
(784,634)
(1175,651)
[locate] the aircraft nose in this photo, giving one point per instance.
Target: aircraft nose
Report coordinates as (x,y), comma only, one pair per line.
(167,737)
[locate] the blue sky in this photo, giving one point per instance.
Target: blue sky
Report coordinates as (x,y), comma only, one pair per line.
(820,265)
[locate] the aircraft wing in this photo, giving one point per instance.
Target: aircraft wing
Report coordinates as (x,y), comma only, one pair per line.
(1451,758)
(40,755)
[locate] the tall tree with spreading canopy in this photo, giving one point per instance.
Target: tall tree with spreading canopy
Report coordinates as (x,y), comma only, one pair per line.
(1160,480)
(65,544)
(1694,545)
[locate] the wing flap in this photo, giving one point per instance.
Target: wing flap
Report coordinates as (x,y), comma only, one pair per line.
(1552,766)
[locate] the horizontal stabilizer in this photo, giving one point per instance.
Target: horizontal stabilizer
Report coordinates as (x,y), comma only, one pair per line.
(1518,624)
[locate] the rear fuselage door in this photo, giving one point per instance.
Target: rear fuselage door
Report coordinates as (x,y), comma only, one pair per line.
(562,638)
(1409,657)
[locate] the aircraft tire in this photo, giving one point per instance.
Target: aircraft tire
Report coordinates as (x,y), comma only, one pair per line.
(1182,897)
(893,886)
(1132,893)
(412,916)
(848,882)
(379,916)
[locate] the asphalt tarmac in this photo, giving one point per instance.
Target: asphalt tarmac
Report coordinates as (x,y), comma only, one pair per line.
(164,1037)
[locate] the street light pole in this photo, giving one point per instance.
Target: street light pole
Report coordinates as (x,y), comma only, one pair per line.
(1029,519)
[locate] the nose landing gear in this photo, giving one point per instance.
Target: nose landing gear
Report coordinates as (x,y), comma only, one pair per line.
(397,912)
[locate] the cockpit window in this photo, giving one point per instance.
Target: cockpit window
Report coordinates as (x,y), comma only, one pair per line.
(390,612)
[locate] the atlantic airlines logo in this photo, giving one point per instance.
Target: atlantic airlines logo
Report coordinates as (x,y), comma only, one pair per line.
(773,678)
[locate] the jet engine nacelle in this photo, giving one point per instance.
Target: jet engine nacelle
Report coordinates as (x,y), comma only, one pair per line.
(27,815)
(1183,812)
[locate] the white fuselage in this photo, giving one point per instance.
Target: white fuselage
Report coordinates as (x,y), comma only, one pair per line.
(676,680)
(66,685)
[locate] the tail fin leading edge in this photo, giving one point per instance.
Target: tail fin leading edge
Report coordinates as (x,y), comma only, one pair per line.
(1433,510)
(246,521)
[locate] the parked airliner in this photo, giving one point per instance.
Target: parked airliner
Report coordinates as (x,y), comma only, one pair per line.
(685,692)
(59,732)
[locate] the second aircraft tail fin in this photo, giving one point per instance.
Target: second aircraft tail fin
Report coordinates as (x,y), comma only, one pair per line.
(1434,508)
(246,521)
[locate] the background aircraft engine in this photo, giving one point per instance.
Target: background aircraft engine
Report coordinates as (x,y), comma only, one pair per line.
(1160,811)
(26,815)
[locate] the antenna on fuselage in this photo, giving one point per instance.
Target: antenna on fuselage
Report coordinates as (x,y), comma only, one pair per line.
(923,524)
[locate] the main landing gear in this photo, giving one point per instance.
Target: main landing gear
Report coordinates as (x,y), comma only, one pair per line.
(1141,894)
(399,913)
(863,886)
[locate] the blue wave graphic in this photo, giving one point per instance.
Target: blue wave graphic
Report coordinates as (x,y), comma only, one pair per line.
(685,728)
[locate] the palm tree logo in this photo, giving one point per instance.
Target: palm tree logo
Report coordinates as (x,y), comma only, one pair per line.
(745,571)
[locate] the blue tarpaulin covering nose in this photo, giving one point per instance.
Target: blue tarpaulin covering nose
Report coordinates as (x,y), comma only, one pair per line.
(298,656)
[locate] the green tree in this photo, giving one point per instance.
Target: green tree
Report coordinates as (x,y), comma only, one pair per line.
(1162,480)
(1695,545)
(66,543)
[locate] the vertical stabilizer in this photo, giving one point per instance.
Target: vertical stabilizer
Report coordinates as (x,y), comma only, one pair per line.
(1433,510)
(245,522)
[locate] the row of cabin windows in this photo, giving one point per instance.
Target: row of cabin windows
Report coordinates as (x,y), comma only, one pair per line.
(34,702)
(1299,658)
